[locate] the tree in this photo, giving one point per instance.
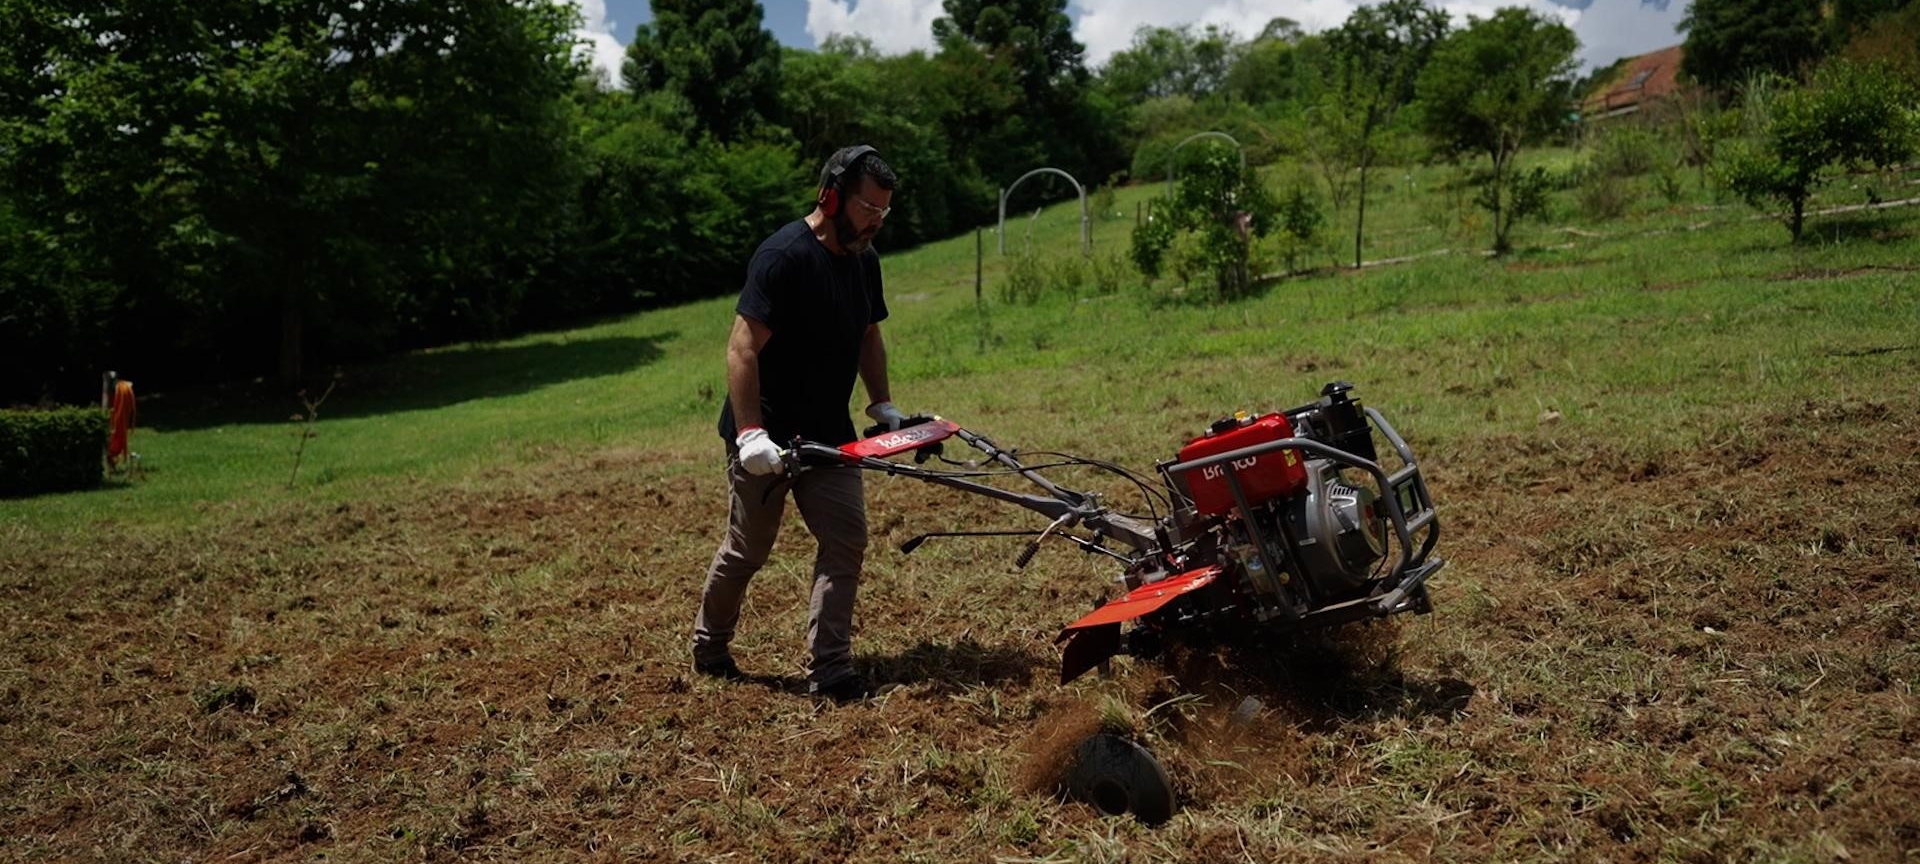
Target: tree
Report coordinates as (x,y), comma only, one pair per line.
(1035,36)
(1728,40)
(1849,115)
(1494,87)
(1267,69)
(1377,55)
(716,56)
(253,177)
(1171,61)
(1299,219)
(1050,117)
(1892,38)
(1209,225)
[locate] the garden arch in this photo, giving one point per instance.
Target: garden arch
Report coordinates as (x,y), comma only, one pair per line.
(1173,167)
(1086,224)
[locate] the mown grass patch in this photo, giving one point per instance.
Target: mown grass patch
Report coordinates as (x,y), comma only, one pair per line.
(1673,461)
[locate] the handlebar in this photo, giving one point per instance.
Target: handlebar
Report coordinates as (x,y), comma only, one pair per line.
(1055,503)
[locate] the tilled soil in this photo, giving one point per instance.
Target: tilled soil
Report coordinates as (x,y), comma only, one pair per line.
(1693,656)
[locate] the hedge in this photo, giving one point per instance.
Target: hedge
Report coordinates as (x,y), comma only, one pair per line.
(53,450)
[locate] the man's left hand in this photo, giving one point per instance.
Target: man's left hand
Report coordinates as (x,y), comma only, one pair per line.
(886,415)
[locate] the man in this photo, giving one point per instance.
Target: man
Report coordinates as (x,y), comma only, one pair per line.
(806,323)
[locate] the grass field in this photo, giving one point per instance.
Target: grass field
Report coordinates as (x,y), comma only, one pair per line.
(1674,458)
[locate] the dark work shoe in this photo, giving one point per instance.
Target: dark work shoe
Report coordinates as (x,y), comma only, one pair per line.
(722,667)
(853,688)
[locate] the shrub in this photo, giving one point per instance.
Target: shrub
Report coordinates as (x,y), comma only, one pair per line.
(1108,270)
(1187,257)
(1300,219)
(1149,245)
(1066,276)
(1603,195)
(51,451)
(1026,280)
(1850,115)
(1628,151)
(1225,207)
(1103,204)
(1667,180)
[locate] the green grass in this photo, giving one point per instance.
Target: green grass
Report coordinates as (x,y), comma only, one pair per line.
(1675,623)
(1660,329)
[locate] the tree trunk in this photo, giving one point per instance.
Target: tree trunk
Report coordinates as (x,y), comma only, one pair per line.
(1360,208)
(1499,186)
(1799,216)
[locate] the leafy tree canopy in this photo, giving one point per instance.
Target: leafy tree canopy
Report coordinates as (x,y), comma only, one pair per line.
(1850,115)
(228,174)
(1171,61)
(1035,36)
(716,56)
(1730,40)
(1494,87)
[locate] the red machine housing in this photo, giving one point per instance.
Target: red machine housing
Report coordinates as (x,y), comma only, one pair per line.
(1268,475)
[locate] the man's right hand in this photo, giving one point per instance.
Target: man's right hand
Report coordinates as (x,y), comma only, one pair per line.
(758,453)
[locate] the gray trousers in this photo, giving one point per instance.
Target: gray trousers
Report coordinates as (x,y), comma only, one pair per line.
(833,504)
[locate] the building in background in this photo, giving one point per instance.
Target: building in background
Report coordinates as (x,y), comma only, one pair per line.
(1640,83)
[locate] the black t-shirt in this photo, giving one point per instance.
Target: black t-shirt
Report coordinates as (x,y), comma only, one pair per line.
(818,306)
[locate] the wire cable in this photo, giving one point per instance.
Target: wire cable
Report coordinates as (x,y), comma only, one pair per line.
(1146,491)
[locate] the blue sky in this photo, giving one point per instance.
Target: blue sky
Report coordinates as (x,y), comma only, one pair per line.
(1608,29)
(786,18)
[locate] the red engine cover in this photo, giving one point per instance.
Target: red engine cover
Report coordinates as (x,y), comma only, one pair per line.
(1268,475)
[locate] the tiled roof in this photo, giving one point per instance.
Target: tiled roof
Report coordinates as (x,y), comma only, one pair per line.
(1641,79)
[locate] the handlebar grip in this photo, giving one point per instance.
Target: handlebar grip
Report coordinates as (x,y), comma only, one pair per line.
(920,454)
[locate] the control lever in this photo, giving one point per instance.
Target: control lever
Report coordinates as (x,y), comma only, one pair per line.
(916,541)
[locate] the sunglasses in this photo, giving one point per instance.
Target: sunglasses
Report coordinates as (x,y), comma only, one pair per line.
(873,209)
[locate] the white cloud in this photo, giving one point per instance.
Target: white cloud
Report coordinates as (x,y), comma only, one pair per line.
(599,45)
(894,26)
(1612,29)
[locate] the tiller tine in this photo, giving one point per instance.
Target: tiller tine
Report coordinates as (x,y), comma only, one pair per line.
(1086,648)
(1096,637)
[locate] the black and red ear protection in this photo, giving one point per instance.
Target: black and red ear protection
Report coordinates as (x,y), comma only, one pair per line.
(830,191)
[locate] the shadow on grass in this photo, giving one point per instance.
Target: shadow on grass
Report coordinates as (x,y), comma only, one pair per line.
(1392,695)
(947,669)
(957,667)
(414,382)
(1852,229)
(111,484)
(1326,680)
(1877,228)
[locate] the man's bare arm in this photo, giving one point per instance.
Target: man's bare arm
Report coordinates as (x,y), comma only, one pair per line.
(873,365)
(743,369)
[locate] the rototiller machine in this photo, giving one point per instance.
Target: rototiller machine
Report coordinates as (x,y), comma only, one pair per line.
(1263,525)
(1259,528)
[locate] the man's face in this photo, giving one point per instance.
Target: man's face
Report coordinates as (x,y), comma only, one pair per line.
(861,212)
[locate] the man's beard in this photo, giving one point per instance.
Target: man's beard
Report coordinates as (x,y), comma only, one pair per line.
(850,239)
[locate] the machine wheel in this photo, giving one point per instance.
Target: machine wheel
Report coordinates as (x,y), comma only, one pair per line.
(1118,776)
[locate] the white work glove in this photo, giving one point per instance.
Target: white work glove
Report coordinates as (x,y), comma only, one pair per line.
(885,414)
(758,453)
